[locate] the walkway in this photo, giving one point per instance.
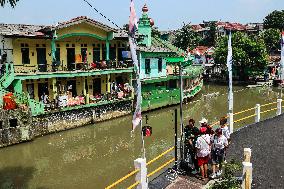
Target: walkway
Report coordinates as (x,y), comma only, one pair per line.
(266,139)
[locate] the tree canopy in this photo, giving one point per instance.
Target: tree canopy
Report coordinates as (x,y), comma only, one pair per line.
(249,54)
(186,38)
(274,20)
(210,36)
(271,38)
(11,2)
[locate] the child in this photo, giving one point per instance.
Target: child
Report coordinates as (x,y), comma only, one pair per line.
(219,144)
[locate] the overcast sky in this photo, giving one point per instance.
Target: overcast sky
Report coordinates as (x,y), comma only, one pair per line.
(167,14)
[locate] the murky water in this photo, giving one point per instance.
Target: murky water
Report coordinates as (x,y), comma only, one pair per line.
(97,155)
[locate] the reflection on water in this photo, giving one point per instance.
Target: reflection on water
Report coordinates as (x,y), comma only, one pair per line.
(96,155)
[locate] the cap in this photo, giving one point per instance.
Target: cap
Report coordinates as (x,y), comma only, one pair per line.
(203,120)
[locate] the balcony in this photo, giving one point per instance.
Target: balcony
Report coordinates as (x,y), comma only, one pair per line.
(60,69)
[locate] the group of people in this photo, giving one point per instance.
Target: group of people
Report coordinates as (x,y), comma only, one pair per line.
(205,146)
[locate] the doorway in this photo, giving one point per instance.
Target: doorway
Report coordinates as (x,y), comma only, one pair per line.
(41,59)
(71,87)
(97,86)
(42,90)
(71,59)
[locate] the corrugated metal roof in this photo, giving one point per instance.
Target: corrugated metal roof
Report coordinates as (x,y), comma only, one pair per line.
(22,30)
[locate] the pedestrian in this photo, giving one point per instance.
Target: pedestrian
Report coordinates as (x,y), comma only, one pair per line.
(191,134)
(203,148)
(224,128)
(204,123)
(219,144)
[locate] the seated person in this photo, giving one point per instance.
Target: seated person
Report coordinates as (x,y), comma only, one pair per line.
(103,64)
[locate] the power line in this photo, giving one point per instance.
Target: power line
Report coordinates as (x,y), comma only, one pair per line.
(100,13)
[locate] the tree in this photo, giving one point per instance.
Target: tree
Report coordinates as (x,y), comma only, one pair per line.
(274,20)
(11,2)
(186,38)
(250,56)
(155,32)
(271,38)
(210,36)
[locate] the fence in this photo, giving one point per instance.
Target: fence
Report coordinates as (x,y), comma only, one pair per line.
(141,165)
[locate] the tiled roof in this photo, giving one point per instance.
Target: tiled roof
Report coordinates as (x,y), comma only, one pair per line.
(159,45)
(81,19)
(201,50)
(22,30)
(120,34)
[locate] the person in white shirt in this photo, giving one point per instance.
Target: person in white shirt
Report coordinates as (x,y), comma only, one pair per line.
(219,144)
(224,128)
(203,148)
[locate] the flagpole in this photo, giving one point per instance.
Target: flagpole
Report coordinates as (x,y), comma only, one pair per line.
(230,90)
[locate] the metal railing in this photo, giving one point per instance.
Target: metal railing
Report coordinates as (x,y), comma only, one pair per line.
(256,114)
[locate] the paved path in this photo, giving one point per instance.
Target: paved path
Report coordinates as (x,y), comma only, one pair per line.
(266,139)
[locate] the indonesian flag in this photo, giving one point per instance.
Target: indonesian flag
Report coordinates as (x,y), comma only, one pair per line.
(133,26)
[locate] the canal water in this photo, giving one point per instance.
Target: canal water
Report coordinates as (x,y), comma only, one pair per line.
(97,155)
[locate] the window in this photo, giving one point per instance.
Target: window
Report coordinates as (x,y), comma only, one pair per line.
(30,90)
(147,66)
(25,55)
(13,122)
(160,65)
(1,124)
(96,54)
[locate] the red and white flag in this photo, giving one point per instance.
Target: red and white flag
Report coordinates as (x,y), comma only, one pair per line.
(282,58)
(133,26)
(137,117)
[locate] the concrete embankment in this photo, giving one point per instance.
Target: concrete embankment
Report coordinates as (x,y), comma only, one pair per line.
(18,126)
(266,139)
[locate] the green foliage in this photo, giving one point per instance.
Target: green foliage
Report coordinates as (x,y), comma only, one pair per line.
(155,32)
(210,36)
(11,2)
(228,180)
(186,38)
(274,20)
(271,38)
(249,54)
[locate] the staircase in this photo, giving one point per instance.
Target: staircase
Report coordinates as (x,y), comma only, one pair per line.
(8,77)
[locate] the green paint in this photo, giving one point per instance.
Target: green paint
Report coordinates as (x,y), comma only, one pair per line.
(80,35)
(18,86)
(174,59)
(72,74)
(107,49)
(144,28)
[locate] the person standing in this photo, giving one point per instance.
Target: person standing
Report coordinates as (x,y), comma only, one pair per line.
(203,148)
(219,144)
(225,128)
(191,133)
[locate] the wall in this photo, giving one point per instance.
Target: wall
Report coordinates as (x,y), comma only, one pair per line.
(154,69)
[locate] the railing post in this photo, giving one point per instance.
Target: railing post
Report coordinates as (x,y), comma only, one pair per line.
(141,176)
(279,107)
(257,113)
(231,122)
(247,169)
(247,175)
(247,154)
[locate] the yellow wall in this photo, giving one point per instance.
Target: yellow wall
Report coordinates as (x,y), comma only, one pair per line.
(17,55)
(82,28)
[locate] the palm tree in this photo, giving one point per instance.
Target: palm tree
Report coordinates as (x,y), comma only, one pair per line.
(12,2)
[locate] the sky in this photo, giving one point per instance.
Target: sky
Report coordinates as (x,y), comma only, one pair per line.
(167,14)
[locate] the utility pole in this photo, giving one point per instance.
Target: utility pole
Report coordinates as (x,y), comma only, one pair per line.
(181,116)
